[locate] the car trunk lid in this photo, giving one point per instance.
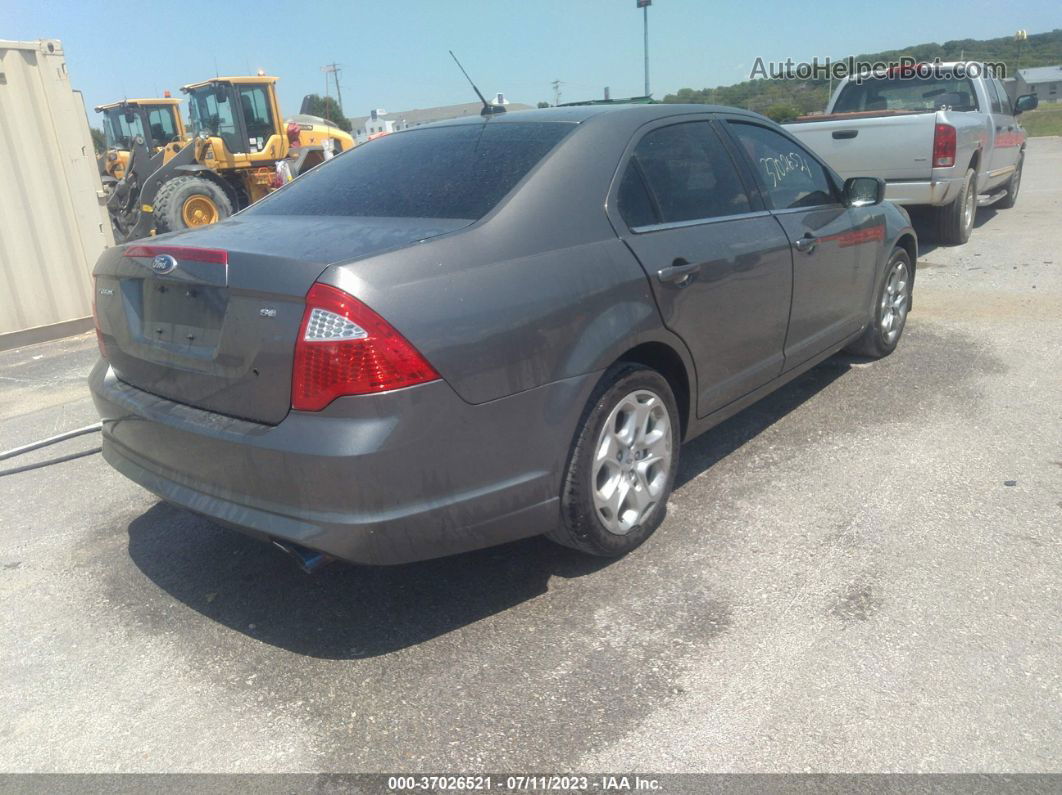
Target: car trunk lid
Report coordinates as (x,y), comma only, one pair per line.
(215,326)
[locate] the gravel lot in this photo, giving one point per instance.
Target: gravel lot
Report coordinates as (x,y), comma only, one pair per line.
(861,573)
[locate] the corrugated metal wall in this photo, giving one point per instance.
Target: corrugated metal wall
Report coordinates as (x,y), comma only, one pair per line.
(53,224)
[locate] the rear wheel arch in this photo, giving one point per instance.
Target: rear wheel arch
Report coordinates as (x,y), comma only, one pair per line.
(667,361)
(222,183)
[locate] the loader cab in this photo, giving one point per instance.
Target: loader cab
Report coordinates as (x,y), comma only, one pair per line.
(158,121)
(241,115)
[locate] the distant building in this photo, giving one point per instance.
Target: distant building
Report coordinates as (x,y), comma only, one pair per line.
(381,121)
(1043,81)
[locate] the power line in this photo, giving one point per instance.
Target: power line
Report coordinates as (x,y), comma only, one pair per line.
(557,90)
(334,69)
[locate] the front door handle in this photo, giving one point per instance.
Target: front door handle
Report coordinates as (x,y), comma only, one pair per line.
(680,272)
(806,243)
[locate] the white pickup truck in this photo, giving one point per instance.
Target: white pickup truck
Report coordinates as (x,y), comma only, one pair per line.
(944,139)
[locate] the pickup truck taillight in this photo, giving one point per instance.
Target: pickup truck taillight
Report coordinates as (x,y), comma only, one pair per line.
(943,146)
(344,348)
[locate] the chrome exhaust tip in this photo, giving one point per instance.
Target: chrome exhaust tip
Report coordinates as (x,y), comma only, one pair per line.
(309,560)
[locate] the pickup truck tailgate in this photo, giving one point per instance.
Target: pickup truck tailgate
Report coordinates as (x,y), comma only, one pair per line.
(899,146)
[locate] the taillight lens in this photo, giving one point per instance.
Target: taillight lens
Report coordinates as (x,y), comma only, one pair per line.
(344,348)
(944,146)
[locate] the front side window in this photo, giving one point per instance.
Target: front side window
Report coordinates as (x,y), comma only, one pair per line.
(1004,97)
(211,112)
(254,103)
(457,172)
(680,173)
(788,176)
(993,97)
(120,127)
(161,125)
(896,93)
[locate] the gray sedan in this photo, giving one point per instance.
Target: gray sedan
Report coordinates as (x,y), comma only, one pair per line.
(486,329)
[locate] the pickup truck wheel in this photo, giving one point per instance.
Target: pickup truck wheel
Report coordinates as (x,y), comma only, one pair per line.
(955,220)
(891,304)
(622,464)
(1011,198)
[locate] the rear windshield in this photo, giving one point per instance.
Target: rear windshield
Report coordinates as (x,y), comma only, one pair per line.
(458,171)
(895,93)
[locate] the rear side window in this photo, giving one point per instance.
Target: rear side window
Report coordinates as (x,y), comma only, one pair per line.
(688,174)
(635,206)
(460,172)
(788,175)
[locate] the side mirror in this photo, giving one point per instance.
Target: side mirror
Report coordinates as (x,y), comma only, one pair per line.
(1026,102)
(864,191)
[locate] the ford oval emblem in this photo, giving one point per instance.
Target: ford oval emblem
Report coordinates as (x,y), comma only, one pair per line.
(163,263)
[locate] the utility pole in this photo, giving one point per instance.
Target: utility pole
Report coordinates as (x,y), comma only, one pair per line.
(333,69)
(557,91)
(644,5)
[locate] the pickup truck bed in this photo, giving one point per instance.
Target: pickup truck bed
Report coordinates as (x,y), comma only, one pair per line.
(949,142)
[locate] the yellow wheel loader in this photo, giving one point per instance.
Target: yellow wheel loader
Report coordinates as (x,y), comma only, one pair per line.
(158,121)
(238,138)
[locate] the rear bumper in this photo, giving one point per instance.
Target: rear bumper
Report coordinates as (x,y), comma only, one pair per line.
(382,479)
(936,192)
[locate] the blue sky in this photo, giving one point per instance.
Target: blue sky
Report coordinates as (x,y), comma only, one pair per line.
(394,52)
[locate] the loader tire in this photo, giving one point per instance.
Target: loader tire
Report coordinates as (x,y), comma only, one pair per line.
(188,202)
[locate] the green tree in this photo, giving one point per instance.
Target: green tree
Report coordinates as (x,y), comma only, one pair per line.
(543,104)
(326,108)
(781,112)
(99,142)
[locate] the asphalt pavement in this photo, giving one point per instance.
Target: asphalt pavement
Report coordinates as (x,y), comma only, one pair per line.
(863,572)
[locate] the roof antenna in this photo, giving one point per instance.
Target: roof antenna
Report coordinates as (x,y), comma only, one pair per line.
(488,109)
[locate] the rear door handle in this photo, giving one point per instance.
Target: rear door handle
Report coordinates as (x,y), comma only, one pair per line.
(680,272)
(806,243)
(842,134)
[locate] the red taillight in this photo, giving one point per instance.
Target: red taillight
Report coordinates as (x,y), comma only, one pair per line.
(215,256)
(944,146)
(344,348)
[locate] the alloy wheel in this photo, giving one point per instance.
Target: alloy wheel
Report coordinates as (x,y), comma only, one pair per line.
(632,460)
(894,302)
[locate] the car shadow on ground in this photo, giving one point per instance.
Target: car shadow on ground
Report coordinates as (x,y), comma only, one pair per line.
(923,223)
(348,612)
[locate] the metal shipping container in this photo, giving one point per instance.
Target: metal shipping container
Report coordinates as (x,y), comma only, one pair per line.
(53,222)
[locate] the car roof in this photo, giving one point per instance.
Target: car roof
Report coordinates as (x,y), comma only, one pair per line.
(640,113)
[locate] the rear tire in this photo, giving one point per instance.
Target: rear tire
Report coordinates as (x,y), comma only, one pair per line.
(622,465)
(892,302)
(188,202)
(1013,185)
(954,222)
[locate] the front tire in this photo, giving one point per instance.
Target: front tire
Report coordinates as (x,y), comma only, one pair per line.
(622,465)
(891,305)
(955,221)
(189,202)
